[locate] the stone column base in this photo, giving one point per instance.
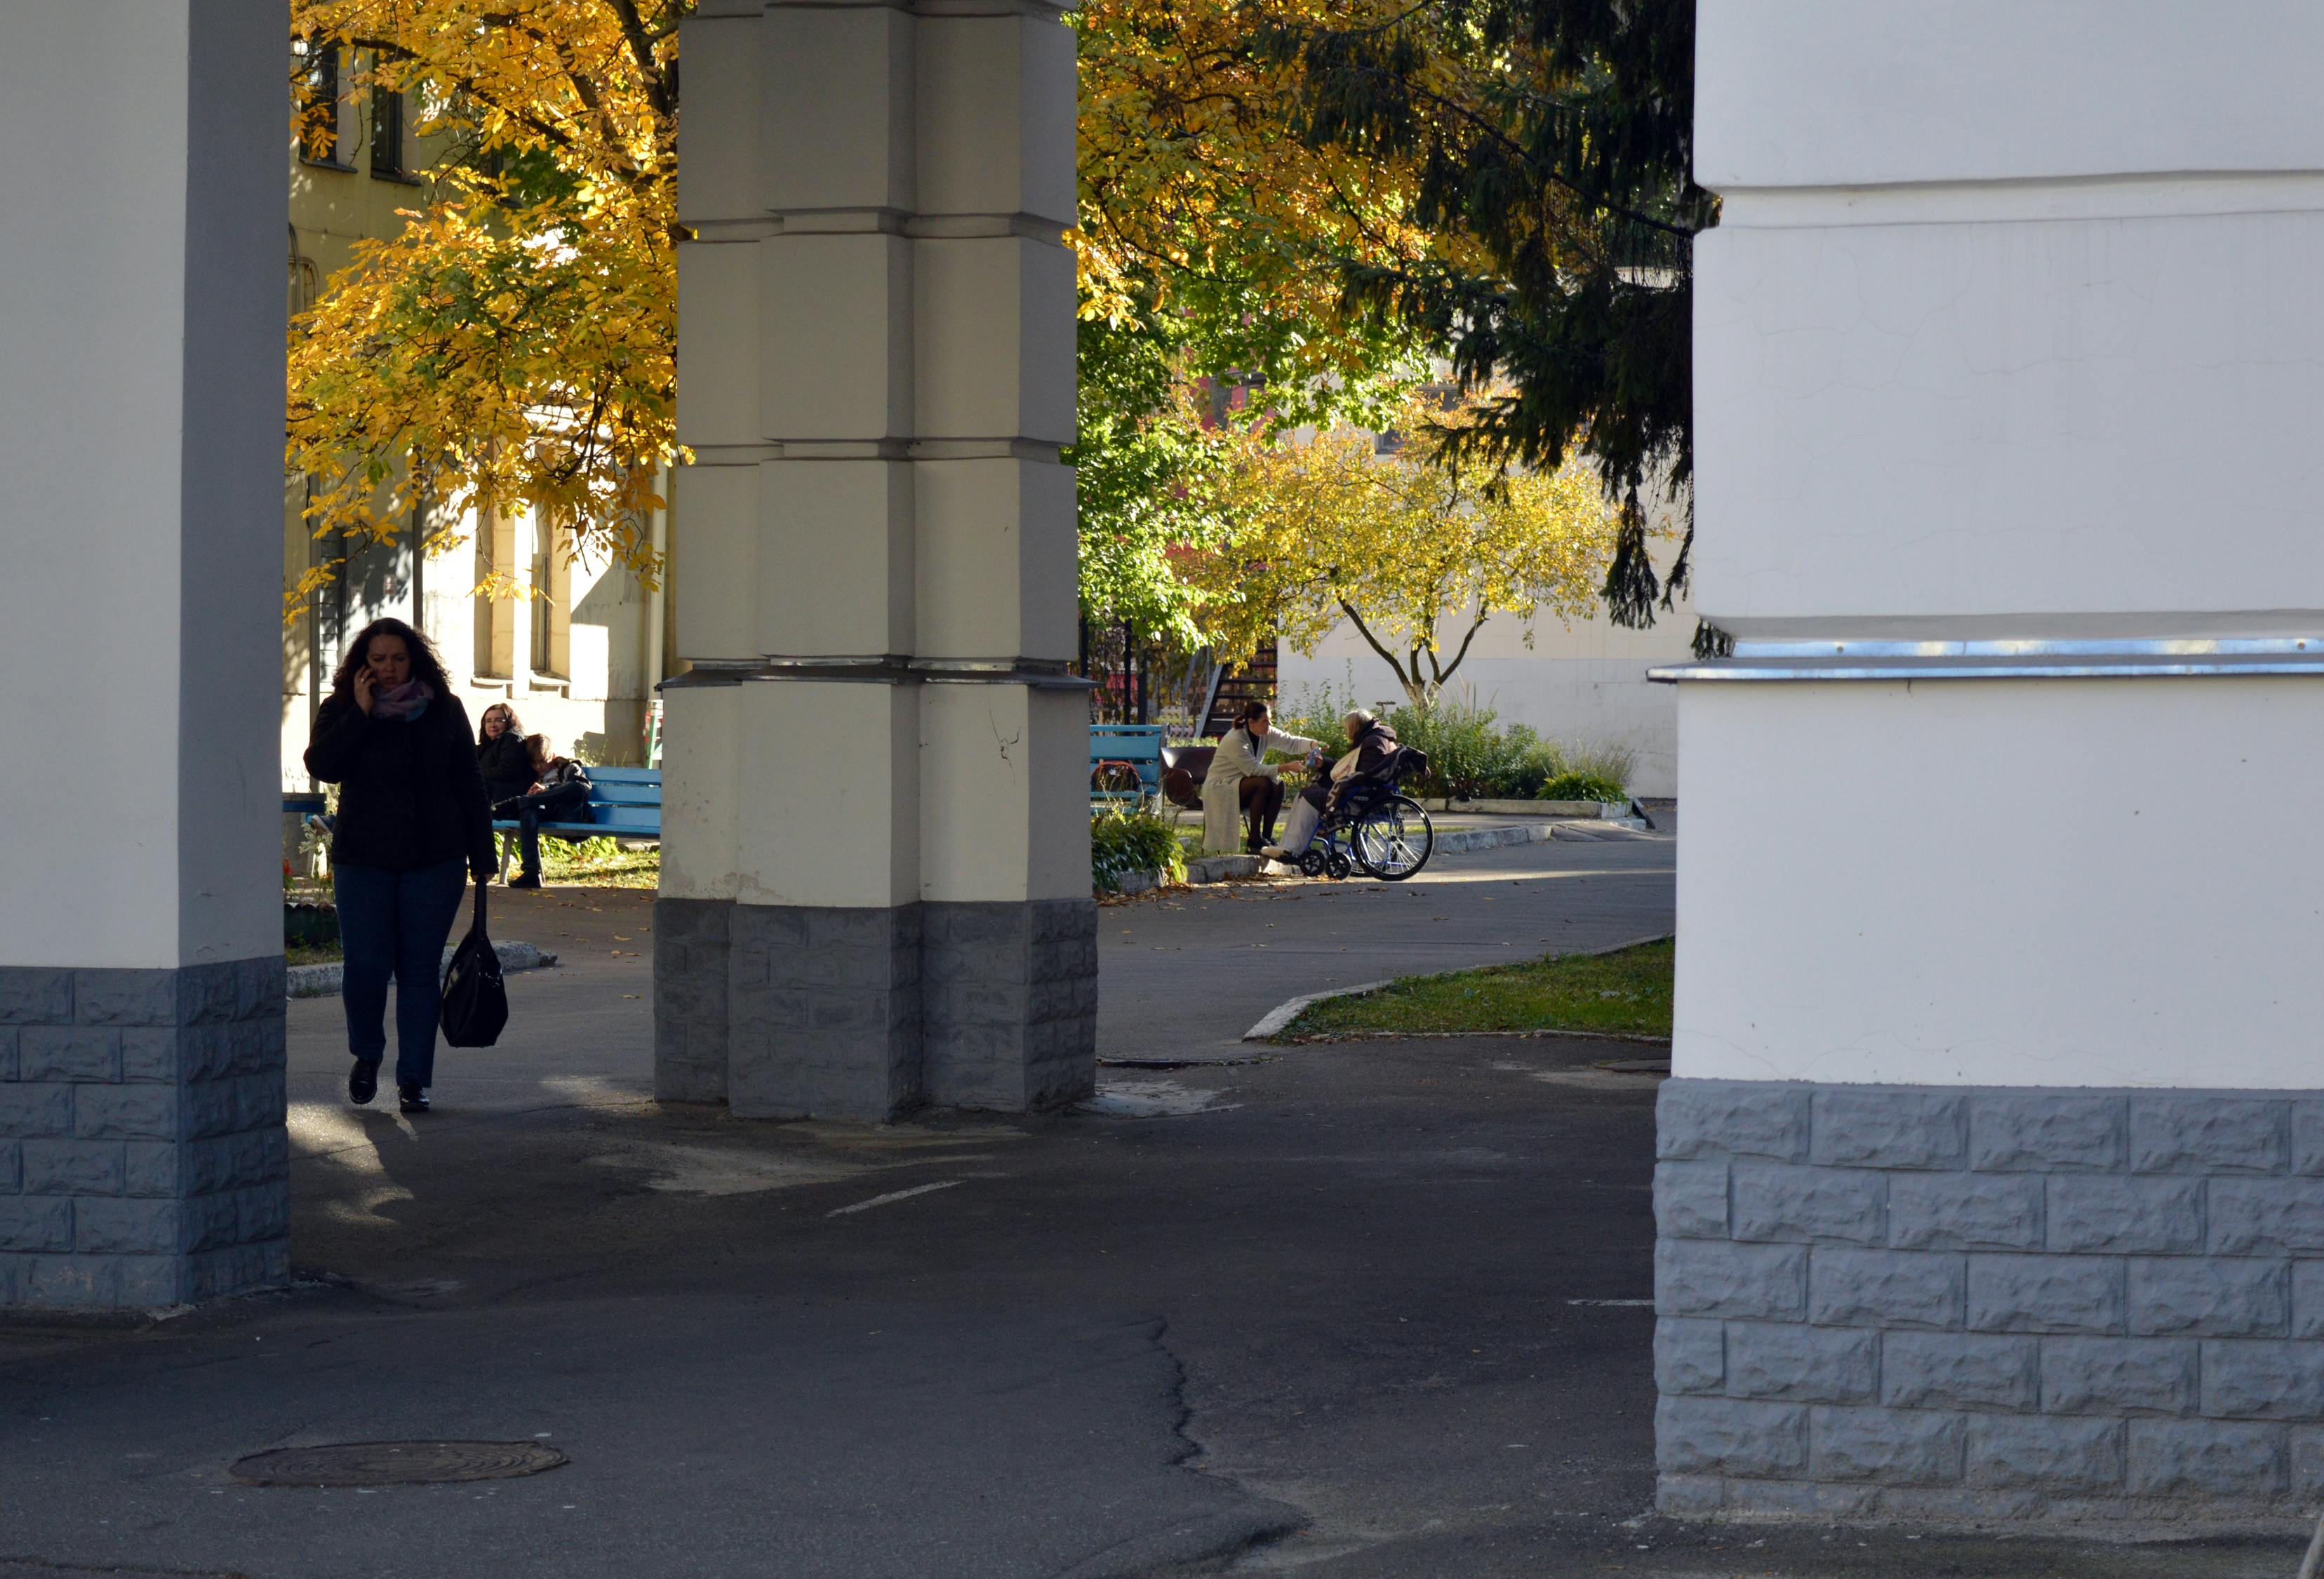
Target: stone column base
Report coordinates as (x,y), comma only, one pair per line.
(800,1010)
(1990,1302)
(143,1160)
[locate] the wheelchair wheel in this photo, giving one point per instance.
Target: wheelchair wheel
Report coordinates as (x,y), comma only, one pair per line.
(1338,866)
(1311,861)
(1394,838)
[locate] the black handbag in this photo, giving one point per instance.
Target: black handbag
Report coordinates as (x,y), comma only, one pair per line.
(475,999)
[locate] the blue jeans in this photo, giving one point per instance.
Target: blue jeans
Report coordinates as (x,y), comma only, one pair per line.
(395,924)
(562,804)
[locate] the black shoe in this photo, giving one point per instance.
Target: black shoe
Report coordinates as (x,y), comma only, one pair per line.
(525,880)
(413,1099)
(362,1081)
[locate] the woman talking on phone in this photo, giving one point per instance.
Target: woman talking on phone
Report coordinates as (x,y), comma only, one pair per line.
(412,827)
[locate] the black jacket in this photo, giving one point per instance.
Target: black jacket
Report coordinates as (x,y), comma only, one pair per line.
(506,766)
(1375,748)
(409,795)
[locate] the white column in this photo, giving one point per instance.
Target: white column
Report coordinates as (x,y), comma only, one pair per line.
(875,882)
(142,1149)
(1988,1184)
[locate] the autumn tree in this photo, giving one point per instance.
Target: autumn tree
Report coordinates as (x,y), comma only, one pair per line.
(1552,142)
(1415,548)
(515,344)
(1208,301)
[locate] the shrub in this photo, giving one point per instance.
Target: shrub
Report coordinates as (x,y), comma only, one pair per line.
(1472,755)
(1607,762)
(1580,787)
(1139,840)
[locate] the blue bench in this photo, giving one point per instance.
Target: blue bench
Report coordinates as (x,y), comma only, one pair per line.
(1125,760)
(624,803)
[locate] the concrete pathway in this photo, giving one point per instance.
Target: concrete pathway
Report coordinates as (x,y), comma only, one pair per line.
(1371,1312)
(1185,971)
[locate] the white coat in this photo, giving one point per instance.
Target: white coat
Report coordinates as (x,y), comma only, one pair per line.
(1240,757)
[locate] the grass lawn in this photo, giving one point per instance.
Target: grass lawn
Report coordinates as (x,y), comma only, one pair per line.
(599,864)
(1628,992)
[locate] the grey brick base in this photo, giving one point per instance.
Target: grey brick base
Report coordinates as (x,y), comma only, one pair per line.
(803,1011)
(143,1160)
(1989,1303)
(1009,1003)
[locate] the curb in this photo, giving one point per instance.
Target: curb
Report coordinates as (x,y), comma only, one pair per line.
(1201,869)
(321,981)
(1274,1020)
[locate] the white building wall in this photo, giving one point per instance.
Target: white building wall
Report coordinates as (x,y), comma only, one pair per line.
(1977,360)
(134,436)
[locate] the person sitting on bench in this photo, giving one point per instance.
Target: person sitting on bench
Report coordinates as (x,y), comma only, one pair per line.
(559,793)
(1375,745)
(1240,780)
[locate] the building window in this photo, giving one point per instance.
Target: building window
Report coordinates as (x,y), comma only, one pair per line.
(306,281)
(541,657)
(319,103)
(386,132)
(552,603)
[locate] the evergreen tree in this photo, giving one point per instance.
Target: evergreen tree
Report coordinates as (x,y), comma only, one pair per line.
(1554,137)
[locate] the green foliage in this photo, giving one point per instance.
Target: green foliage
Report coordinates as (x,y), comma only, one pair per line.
(1124,840)
(1627,992)
(1580,787)
(1151,450)
(1142,478)
(1555,137)
(1472,755)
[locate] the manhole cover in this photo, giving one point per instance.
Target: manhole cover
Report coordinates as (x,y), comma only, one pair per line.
(396,1464)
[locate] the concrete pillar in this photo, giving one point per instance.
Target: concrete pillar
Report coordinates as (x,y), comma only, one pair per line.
(1992,1181)
(875,885)
(143,1156)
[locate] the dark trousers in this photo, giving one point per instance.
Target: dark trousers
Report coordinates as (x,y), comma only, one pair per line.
(1262,800)
(562,804)
(395,924)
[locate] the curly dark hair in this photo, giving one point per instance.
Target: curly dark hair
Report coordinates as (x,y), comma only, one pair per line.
(425,663)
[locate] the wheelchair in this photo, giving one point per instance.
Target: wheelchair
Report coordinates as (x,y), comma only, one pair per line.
(1375,829)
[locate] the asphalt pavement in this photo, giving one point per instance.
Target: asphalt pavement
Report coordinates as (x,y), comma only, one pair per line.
(1357,1309)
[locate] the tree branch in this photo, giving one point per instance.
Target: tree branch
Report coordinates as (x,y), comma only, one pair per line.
(1445,673)
(1407,680)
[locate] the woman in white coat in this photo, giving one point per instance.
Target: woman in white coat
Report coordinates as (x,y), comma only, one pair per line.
(1241,788)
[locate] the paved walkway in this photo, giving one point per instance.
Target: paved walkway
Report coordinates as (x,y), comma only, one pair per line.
(1370,1314)
(1189,970)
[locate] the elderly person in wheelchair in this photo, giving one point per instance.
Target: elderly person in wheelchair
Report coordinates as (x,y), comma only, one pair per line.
(1370,764)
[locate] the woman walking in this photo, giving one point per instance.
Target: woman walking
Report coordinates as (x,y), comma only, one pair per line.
(412,825)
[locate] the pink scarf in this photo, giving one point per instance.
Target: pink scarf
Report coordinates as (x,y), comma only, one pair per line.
(404,703)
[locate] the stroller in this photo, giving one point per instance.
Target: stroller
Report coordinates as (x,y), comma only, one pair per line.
(1373,826)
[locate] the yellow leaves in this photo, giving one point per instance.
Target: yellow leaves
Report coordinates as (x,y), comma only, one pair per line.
(1415,550)
(1189,172)
(515,344)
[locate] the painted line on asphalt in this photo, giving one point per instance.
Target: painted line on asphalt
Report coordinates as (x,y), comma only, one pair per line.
(1283,1013)
(894,1195)
(1647,1303)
